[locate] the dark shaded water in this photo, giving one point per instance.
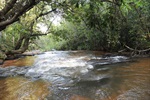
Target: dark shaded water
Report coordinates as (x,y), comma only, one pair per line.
(75,75)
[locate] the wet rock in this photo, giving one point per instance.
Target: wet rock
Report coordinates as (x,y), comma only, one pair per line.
(108,60)
(12,71)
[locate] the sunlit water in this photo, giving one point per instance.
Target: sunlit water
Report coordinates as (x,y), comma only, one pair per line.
(75,75)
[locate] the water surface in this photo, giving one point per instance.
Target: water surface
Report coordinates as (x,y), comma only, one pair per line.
(75,75)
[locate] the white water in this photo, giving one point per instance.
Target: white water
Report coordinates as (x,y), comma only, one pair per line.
(85,74)
(60,66)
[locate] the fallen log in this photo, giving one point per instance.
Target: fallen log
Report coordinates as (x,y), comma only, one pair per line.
(136,52)
(145,50)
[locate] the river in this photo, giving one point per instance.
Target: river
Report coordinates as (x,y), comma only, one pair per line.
(75,75)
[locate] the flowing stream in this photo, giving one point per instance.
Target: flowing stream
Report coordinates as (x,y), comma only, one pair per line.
(75,75)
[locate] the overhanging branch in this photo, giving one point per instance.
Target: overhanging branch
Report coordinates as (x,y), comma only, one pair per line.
(43,14)
(7,7)
(7,22)
(10,14)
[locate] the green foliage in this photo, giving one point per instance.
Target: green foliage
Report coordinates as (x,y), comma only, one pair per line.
(135,31)
(89,24)
(49,42)
(107,26)
(10,36)
(2,55)
(21,30)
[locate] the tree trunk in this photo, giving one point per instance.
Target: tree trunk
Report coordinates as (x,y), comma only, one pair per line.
(13,9)
(21,49)
(19,42)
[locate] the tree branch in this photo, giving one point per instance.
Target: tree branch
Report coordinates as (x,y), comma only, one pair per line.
(145,50)
(7,7)
(16,10)
(21,50)
(38,34)
(43,14)
(7,22)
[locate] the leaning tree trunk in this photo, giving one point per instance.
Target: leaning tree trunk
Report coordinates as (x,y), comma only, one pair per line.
(19,49)
(13,9)
(19,42)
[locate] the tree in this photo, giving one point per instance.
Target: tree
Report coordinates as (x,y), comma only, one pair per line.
(105,24)
(17,37)
(13,9)
(109,24)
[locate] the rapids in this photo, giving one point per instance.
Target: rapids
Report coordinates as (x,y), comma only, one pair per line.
(75,75)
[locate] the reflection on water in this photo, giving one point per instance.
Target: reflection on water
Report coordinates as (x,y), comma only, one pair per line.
(76,76)
(18,88)
(135,80)
(129,81)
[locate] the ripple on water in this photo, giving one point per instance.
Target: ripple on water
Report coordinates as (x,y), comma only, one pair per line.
(73,77)
(19,88)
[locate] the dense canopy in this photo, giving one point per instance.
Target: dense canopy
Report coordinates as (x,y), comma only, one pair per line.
(108,25)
